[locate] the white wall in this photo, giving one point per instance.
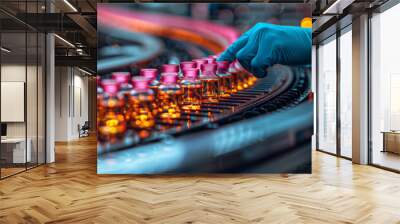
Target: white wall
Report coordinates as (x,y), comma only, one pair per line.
(71,94)
(80,110)
(61,103)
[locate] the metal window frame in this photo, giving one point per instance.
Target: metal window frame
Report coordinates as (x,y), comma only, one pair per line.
(328,39)
(339,32)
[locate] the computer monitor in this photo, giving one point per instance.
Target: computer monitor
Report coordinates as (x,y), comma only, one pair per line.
(3,129)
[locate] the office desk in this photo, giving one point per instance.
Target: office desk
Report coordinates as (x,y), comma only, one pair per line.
(391,141)
(16,147)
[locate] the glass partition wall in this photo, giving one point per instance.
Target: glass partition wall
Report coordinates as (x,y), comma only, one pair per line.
(22,107)
(334,93)
(345,92)
(326,76)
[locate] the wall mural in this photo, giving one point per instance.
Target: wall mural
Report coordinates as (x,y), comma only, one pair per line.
(204,88)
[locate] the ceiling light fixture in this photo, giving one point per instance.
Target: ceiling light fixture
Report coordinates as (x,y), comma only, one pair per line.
(65,41)
(79,51)
(70,5)
(5,50)
(84,71)
(329,9)
(337,7)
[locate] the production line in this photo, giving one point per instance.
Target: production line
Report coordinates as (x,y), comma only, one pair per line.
(190,141)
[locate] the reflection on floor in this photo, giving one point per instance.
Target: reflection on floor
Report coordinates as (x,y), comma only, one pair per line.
(10,171)
(386,159)
(70,191)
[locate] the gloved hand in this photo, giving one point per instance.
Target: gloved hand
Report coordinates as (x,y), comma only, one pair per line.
(267,44)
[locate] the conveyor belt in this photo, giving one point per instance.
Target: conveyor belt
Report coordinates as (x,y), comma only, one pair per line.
(282,88)
(279,142)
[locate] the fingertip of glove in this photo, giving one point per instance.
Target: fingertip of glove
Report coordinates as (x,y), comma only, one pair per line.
(259,73)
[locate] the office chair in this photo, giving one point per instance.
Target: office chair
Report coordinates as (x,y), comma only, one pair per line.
(84,130)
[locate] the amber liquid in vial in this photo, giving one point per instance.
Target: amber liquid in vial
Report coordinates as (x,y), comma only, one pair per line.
(245,78)
(240,81)
(252,80)
(225,85)
(169,108)
(210,89)
(234,82)
(142,114)
(111,122)
(111,126)
(191,98)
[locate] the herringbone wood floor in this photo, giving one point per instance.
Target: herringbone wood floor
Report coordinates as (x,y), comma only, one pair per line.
(69,191)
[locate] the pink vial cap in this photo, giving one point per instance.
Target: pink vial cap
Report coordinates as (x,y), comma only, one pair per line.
(140,83)
(235,66)
(121,77)
(192,73)
(211,59)
(150,73)
(188,64)
(170,68)
(209,67)
(200,62)
(223,64)
(110,86)
(169,78)
(222,67)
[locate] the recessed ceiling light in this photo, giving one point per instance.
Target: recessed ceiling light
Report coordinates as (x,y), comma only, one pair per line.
(64,40)
(70,5)
(5,50)
(337,7)
(86,72)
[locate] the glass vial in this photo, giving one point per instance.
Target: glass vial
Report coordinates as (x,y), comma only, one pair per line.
(112,123)
(225,78)
(210,82)
(192,90)
(169,95)
(142,115)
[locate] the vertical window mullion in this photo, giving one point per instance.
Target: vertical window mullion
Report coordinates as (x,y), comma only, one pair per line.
(338,75)
(37,89)
(316,98)
(26,86)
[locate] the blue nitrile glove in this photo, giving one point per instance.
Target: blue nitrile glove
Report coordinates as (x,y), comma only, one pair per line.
(267,44)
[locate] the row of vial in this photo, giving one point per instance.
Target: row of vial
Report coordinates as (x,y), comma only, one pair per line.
(138,101)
